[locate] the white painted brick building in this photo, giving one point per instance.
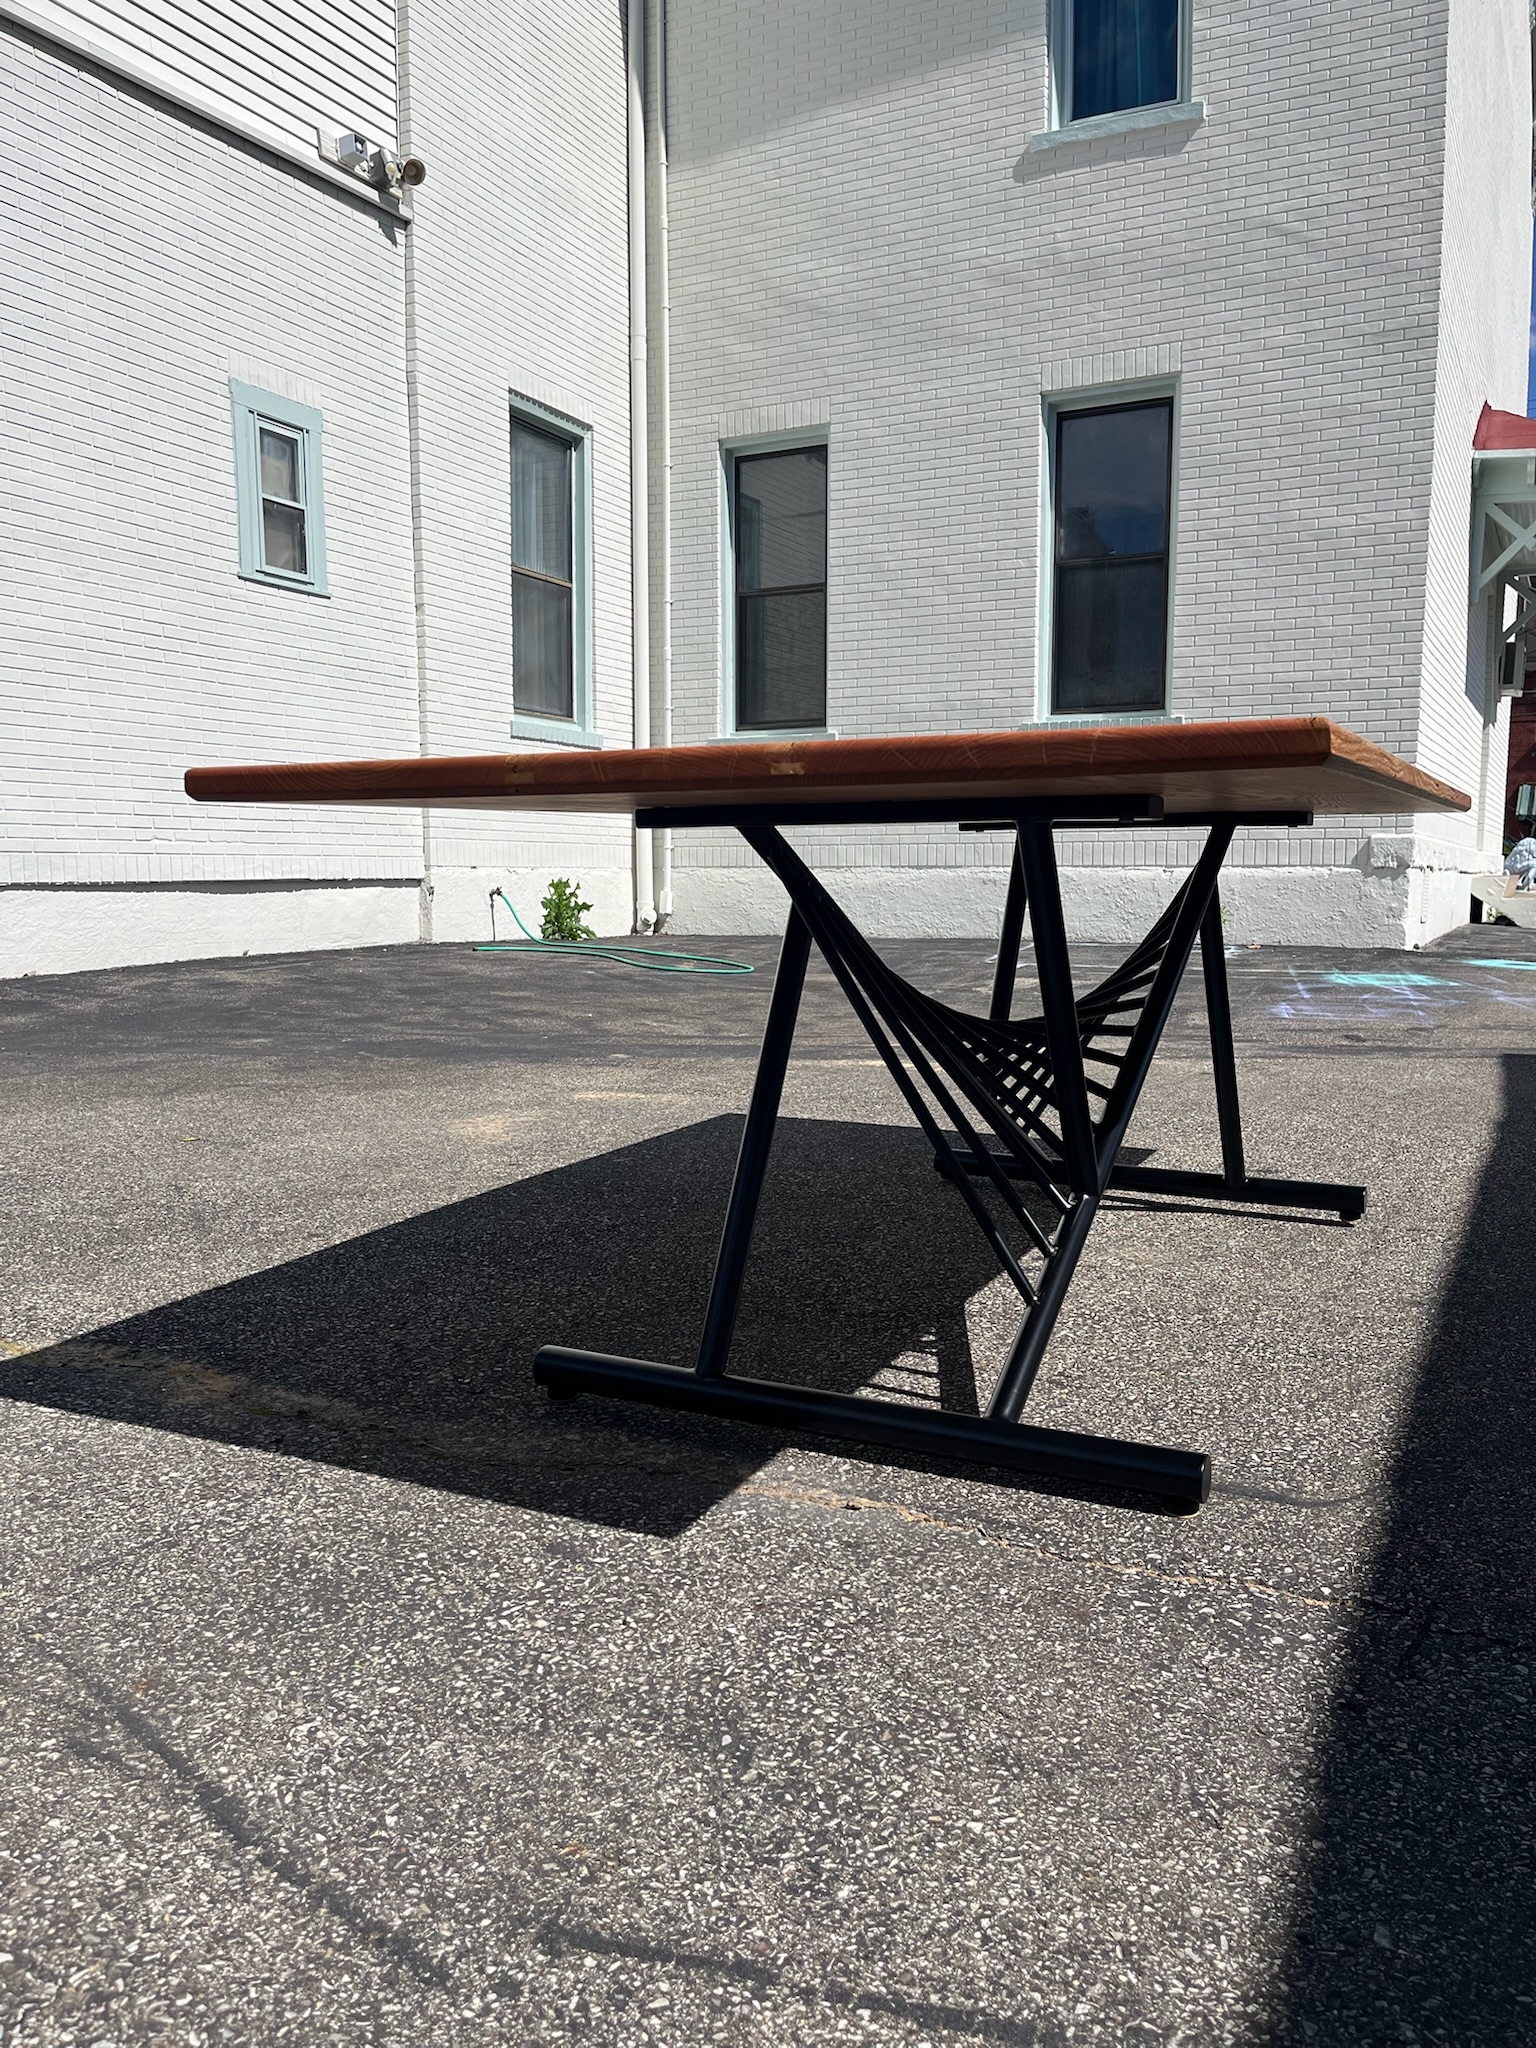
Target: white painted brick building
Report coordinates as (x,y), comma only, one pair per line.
(174,231)
(869,229)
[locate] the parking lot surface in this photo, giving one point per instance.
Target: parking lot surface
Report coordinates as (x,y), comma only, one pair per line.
(354,1694)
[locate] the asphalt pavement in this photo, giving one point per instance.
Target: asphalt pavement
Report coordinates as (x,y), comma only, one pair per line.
(354,1694)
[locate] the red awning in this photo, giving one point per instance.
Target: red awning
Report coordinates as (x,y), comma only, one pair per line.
(1503,430)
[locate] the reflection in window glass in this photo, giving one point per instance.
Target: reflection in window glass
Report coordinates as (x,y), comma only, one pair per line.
(543,665)
(781,589)
(1111,558)
(1125,53)
(280,465)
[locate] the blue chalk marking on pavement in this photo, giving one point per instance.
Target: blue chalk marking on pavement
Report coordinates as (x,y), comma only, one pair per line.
(1389,981)
(1525,966)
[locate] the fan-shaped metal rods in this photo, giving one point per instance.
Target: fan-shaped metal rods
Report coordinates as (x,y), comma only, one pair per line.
(1189,908)
(1014,1055)
(927,1030)
(909,1032)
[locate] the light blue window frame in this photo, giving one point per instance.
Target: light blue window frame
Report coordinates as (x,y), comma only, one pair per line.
(761,444)
(578,730)
(251,407)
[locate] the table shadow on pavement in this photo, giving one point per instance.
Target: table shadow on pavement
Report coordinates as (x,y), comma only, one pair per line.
(407,1352)
(1420,1913)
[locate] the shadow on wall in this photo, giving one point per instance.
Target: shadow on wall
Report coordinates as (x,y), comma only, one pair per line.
(406,1352)
(788,73)
(1421,1919)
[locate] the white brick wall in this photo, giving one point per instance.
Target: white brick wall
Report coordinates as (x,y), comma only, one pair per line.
(854,215)
(141,275)
(148,270)
(1484,301)
(519,253)
(1331,272)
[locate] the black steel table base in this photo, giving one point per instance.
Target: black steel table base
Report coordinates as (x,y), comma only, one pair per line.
(1026,1118)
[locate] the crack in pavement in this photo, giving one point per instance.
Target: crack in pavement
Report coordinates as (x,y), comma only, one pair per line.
(196,1385)
(1359,1605)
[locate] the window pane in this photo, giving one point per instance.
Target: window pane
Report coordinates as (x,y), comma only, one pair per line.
(781,519)
(781,660)
(282,538)
(1125,53)
(541,502)
(1111,622)
(280,472)
(541,648)
(1112,483)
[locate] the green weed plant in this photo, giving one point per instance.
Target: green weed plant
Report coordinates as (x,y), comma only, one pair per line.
(563,912)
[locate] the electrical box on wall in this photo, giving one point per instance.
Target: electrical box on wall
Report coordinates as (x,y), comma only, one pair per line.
(370,161)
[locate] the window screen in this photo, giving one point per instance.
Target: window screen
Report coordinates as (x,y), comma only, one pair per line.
(1111,586)
(543,671)
(1124,53)
(781,589)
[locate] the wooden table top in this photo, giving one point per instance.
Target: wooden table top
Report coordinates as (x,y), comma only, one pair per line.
(1257,764)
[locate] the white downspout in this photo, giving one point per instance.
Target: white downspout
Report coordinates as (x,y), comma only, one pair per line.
(639,436)
(424,925)
(658,313)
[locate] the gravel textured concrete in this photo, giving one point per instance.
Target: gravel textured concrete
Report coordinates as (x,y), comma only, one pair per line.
(352,1694)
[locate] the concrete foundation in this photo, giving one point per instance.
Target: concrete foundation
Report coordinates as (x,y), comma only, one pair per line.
(461,908)
(1395,907)
(73,930)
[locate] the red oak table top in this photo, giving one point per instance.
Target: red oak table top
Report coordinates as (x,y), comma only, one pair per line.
(1256,764)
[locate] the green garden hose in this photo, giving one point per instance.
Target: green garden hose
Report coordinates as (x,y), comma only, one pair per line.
(622,956)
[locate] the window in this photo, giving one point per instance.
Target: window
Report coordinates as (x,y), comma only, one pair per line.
(1119,54)
(1110,596)
(551,551)
(779,528)
(543,670)
(279,490)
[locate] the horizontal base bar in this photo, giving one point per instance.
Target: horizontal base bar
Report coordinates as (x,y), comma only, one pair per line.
(1347,1201)
(1183,1476)
(1270,1194)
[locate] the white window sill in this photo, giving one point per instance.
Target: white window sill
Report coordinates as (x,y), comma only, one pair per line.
(788,732)
(1087,720)
(556,732)
(274,579)
(1127,121)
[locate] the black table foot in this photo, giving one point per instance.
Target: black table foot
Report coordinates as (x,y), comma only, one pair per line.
(1179,1476)
(1348,1202)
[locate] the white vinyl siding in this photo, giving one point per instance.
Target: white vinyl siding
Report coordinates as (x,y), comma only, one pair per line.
(282,68)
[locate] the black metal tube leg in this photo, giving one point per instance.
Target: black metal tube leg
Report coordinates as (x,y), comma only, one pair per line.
(1058,1005)
(756,1142)
(1218,1010)
(1008,941)
(1023,1361)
